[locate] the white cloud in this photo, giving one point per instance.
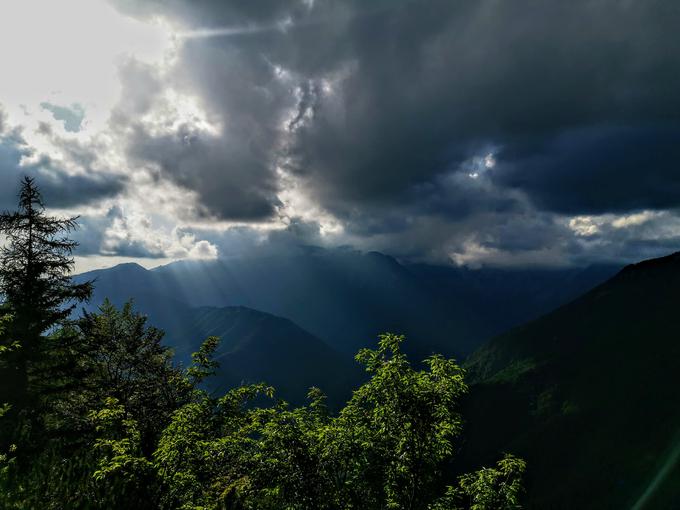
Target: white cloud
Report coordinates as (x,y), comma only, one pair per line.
(135,233)
(585,226)
(76,52)
(174,111)
(203,250)
(591,225)
(474,255)
(634,219)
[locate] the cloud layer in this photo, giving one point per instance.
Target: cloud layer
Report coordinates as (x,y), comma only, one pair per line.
(478,132)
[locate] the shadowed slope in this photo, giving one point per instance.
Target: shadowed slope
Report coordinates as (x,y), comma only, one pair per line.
(257,346)
(589,393)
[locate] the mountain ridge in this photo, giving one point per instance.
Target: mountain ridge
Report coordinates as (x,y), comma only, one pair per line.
(587,393)
(347,297)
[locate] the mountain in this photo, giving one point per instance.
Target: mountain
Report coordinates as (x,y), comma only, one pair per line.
(257,346)
(589,394)
(254,347)
(347,297)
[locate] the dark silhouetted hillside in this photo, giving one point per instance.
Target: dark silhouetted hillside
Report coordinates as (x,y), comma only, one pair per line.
(590,395)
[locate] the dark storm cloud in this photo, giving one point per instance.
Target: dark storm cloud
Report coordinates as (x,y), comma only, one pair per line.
(247,192)
(233,173)
(377,107)
(209,12)
(434,81)
(428,83)
(599,169)
(90,234)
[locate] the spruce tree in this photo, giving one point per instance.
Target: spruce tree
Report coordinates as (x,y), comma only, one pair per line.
(35,266)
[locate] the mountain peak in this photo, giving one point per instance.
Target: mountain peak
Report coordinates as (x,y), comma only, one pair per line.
(125,267)
(130,265)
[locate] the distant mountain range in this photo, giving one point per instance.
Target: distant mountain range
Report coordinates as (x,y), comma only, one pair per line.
(590,395)
(347,298)
(317,308)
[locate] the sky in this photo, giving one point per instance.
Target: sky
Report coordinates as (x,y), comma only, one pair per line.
(475,132)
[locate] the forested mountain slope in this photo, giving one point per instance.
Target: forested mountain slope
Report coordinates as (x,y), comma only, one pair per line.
(590,395)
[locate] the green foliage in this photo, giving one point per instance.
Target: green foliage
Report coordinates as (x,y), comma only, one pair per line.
(246,450)
(514,371)
(496,488)
(105,428)
(7,344)
(35,283)
(203,364)
(122,472)
(105,420)
(385,449)
(398,428)
(126,360)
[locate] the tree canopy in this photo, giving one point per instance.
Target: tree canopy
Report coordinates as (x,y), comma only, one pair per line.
(38,294)
(122,426)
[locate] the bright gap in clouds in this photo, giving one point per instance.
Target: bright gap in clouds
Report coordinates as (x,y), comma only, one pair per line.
(66,52)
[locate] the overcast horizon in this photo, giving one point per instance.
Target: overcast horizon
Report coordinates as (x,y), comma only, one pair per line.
(477,133)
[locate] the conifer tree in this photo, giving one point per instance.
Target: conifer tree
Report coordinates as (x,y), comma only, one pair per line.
(35,266)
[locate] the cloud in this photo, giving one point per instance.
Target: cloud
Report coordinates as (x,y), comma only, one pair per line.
(384,100)
(476,131)
(61,188)
(598,169)
(428,85)
(225,156)
(132,233)
(203,250)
